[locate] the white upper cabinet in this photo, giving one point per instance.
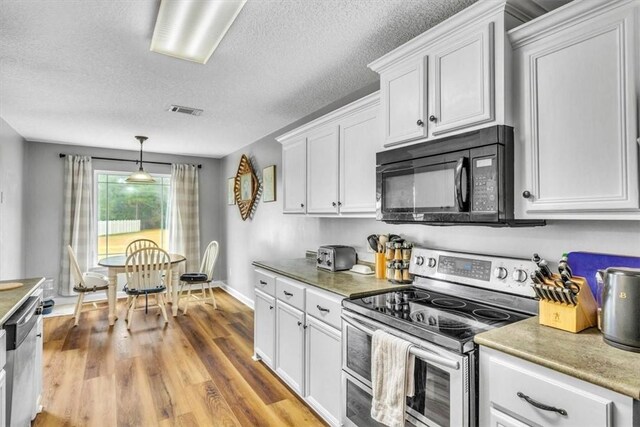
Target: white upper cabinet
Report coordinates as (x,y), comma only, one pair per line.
(404,99)
(577,119)
(322,170)
(452,78)
(358,136)
(461,81)
(294,162)
(336,176)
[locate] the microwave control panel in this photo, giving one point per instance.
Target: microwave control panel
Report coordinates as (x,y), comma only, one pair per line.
(485,184)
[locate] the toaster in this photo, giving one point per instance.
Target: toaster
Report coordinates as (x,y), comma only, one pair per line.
(336,257)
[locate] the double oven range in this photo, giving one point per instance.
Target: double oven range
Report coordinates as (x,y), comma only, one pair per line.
(455,296)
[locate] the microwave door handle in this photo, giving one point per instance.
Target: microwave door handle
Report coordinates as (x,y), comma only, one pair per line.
(460,166)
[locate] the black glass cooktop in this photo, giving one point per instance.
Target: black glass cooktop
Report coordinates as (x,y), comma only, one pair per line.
(433,313)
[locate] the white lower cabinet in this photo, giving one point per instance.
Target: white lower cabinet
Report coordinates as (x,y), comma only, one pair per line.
(37,398)
(518,393)
(3,397)
(298,336)
(290,345)
(500,419)
(265,327)
(323,367)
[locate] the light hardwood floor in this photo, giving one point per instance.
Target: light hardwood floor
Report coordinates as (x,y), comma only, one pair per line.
(196,371)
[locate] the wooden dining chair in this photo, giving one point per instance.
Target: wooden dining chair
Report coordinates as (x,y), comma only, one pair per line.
(139,244)
(204,277)
(84,282)
(146,270)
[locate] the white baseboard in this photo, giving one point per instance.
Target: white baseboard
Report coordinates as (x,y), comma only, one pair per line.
(234,293)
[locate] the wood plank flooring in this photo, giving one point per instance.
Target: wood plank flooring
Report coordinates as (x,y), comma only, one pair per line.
(196,371)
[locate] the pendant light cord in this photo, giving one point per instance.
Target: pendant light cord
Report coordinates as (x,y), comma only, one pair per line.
(142,139)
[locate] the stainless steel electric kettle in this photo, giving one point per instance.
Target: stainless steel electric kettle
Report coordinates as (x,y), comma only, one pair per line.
(621,308)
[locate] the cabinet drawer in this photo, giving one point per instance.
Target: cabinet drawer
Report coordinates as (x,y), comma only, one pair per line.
(510,383)
(290,292)
(266,282)
(324,307)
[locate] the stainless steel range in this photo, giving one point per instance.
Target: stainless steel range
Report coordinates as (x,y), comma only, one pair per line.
(455,296)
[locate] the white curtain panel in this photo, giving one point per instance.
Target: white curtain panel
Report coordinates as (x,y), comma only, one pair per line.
(78,228)
(184,214)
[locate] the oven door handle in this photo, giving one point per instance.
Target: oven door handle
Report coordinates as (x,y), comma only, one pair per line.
(415,350)
(461,166)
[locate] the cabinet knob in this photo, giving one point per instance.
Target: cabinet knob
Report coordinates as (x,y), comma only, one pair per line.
(302,205)
(432,118)
(299,323)
(526,194)
(339,203)
(270,307)
(333,204)
(420,123)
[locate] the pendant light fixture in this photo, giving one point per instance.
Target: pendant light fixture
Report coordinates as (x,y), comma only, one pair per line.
(140,176)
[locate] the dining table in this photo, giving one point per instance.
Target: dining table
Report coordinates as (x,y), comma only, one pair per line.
(116,264)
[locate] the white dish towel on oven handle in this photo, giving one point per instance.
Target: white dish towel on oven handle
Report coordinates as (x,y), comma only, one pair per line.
(391,378)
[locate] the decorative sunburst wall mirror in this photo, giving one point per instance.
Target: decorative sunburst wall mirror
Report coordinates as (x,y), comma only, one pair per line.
(245,187)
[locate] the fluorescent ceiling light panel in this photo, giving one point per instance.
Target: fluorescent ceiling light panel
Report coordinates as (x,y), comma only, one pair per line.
(193,29)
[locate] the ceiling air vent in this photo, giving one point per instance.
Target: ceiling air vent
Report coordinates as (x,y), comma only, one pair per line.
(185,110)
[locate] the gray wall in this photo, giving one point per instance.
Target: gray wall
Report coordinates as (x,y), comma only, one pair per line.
(11,208)
(271,235)
(43,202)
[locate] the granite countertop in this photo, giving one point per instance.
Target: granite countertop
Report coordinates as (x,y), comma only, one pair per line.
(345,283)
(584,355)
(11,300)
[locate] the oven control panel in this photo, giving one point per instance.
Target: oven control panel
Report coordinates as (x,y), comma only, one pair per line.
(510,275)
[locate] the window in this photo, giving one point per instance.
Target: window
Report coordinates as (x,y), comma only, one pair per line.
(126,212)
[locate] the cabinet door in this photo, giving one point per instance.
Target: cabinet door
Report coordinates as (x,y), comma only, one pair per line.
(290,346)
(294,172)
(265,327)
(578,118)
(323,369)
(3,398)
(462,81)
(403,94)
(37,398)
(359,141)
(322,171)
(500,419)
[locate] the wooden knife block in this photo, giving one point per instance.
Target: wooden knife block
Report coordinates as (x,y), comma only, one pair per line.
(567,317)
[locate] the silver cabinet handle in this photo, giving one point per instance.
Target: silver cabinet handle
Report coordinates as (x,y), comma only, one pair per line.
(539,405)
(289,294)
(321,308)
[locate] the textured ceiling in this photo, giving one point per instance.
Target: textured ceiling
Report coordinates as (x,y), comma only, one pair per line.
(81,72)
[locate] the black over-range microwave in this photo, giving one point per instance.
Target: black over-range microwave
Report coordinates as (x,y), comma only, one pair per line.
(462,179)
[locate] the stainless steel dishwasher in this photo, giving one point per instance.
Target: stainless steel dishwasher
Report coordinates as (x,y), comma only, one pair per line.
(22,341)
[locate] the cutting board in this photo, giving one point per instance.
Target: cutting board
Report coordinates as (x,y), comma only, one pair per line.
(585,264)
(9,285)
